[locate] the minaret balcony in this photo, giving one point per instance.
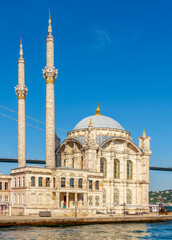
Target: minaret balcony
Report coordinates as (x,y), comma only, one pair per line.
(21,91)
(50,73)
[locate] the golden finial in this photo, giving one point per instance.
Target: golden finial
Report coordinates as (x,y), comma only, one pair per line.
(90,123)
(143,130)
(49,15)
(20,41)
(98,110)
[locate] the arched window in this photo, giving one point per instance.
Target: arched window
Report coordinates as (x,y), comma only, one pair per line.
(116,196)
(97,185)
(129,169)
(23,181)
(129,196)
(40,182)
(103,167)
(6,185)
(82,163)
(72,182)
(54,182)
(62,182)
(19,182)
(116,169)
(80,182)
(47,182)
(32,181)
(73,163)
(15,183)
(0,185)
(90,184)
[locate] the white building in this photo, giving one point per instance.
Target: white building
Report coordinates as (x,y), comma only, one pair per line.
(97,168)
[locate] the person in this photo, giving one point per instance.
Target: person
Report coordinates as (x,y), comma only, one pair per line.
(63,205)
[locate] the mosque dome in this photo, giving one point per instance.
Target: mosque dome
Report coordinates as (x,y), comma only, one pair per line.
(98,121)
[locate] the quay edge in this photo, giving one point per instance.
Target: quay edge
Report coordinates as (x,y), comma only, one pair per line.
(52,221)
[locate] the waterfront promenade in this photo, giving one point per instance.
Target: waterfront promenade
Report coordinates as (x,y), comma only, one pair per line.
(56,221)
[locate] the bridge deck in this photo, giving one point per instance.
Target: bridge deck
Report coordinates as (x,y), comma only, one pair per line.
(38,161)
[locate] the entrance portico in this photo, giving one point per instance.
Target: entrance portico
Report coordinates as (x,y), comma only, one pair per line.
(69,200)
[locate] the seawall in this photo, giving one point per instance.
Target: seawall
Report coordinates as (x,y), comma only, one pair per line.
(6,221)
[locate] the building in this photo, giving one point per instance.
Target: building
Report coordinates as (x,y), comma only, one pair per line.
(98,168)
(5,194)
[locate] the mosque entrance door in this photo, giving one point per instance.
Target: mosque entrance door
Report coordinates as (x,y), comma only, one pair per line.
(65,201)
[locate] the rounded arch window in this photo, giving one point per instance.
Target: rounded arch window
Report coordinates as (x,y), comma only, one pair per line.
(80,182)
(63,182)
(116,169)
(129,169)
(103,166)
(72,182)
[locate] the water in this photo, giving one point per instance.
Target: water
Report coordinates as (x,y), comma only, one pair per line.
(90,232)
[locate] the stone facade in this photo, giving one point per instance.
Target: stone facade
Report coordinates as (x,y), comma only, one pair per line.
(98,168)
(124,165)
(58,190)
(5,194)
(90,175)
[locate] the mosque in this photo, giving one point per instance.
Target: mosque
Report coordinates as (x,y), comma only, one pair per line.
(97,169)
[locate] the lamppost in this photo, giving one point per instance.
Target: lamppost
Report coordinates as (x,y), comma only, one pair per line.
(76,203)
(124,209)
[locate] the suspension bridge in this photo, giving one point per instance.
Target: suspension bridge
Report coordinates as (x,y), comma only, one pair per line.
(156,164)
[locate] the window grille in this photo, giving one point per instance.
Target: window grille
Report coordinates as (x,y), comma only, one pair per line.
(47,182)
(40,182)
(62,182)
(32,181)
(80,183)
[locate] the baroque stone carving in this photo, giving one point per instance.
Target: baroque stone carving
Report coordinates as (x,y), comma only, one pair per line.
(21,91)
(50,73)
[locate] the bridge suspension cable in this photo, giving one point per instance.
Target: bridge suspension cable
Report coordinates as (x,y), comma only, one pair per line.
(26,124)
(161,160)
(33,119)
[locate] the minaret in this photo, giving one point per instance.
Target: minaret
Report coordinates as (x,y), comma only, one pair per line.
(21,91)
(50,73)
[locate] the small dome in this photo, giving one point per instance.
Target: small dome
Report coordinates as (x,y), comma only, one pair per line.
(98,121)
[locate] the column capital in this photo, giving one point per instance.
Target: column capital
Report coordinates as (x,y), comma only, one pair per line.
(21,91)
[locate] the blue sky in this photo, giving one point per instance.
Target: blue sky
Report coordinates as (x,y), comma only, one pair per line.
(117,53)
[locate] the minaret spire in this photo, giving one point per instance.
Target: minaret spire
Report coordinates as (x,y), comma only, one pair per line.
(50,74)
(21,91)
(49,25)
(21,49)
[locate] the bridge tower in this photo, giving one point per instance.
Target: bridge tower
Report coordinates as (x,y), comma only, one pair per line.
(50,74)
(21,91)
